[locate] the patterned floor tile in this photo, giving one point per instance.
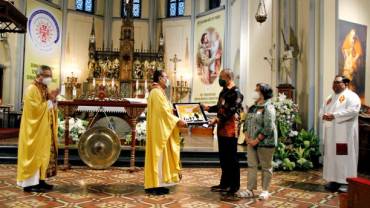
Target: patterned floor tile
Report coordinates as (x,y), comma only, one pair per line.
(117,187)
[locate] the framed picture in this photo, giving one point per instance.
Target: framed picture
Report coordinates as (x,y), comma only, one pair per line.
(192,113)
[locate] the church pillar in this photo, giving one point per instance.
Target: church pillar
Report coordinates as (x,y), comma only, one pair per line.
(108,19)
(327,59)
(153,40)
(226,63)
(244,48)
(64,7)
(19,66)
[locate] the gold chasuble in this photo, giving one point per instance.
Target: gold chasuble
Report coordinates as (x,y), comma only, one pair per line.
(162,151)
(37,144)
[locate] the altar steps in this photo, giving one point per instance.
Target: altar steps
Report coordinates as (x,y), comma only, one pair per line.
(189,158)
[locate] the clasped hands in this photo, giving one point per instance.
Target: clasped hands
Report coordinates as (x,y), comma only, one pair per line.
(53,95)
(328,117)
(253,142)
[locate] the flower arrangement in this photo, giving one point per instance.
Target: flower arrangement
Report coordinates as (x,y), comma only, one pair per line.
(140,134)
(295,150)
(76,128)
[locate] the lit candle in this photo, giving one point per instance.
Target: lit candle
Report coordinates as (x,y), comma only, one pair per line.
(113,83)
(94,82)
(146,85)
(137,84)
(103,81)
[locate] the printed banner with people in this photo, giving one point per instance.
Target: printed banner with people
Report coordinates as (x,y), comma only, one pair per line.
(43,41)
(208,46)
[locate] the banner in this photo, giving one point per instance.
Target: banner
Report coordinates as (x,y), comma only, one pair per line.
(208,46)
(43,41)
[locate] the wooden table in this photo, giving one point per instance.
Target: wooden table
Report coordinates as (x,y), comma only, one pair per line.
(131,113)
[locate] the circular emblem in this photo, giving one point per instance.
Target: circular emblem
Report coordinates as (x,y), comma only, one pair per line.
(43,30)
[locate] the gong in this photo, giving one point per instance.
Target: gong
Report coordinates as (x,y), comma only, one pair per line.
(99,147)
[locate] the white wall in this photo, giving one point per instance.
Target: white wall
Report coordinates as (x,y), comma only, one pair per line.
(261,41)
(357,11)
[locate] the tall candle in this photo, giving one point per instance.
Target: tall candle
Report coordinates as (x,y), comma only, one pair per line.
(146,85)
(137,84)
(113,83)
(94,82)
(103,81)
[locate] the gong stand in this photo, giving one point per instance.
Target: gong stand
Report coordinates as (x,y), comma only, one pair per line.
(130,113)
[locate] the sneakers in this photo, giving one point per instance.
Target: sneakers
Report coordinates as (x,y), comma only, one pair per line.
(246,194)
(264,195)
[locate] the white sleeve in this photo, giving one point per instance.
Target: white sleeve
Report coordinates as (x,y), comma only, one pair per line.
(353,107)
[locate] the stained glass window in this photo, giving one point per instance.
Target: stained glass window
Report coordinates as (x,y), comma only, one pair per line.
(175,8)
(136,8)
(79,4)
(214,4)
(85,5)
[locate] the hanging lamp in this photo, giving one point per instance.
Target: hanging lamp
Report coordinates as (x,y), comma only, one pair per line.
(261,14)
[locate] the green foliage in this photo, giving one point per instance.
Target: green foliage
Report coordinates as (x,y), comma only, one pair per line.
(295,150)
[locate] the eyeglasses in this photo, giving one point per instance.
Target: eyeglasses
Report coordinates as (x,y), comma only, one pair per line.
(46,75)
(337,82)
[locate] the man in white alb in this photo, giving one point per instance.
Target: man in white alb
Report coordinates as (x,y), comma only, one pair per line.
(340,131)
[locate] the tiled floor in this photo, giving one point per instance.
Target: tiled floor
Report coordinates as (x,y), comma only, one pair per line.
(116,187)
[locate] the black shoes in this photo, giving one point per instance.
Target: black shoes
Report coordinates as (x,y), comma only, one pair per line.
(42,187)
(36,188)
(219,188)
(230,196)
(332,186)
(45,185)
(157,191)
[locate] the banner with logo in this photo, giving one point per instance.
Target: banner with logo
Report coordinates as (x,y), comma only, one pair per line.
(43,41)
(208,46)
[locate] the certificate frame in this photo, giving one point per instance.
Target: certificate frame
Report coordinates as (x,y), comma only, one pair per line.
(192,113)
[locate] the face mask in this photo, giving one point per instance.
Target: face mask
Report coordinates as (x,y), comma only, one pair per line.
(168,83)
(255,95)
(46,81)
(222,82)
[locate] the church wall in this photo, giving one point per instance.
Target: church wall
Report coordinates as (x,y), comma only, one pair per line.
(235,40)
(9,56)
(175,32)
(357,11)
(260,42)
(99,6)
(77,42)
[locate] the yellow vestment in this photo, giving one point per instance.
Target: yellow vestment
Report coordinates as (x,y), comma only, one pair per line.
(162,142)
(38,128)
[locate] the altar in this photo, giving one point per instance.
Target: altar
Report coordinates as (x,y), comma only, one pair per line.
(128,109)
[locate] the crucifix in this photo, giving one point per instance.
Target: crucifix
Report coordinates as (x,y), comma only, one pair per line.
(175,60)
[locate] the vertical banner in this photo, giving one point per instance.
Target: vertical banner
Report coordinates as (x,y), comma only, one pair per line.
(43,41)
(352,55)
(208,46)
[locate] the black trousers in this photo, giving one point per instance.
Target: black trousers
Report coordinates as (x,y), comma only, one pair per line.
(230,176)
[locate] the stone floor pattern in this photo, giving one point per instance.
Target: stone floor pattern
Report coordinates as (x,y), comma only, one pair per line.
(116,187)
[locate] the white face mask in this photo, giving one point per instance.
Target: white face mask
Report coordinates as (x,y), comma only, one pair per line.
(255,95)
(168,83)
(46,81)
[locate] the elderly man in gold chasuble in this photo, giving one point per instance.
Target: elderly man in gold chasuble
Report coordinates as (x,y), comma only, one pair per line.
(162,153)
(37,146)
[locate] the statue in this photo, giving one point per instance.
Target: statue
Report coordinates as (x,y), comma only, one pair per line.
(116,68)
(286,67)
(91,66)
(138,71)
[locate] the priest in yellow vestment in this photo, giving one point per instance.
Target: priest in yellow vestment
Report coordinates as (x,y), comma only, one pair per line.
(38,135)
(162,151)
